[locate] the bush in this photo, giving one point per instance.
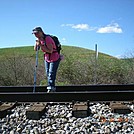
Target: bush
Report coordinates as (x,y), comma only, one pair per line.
(16,70)
(78,68)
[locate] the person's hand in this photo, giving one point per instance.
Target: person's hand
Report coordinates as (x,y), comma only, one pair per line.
(38,43)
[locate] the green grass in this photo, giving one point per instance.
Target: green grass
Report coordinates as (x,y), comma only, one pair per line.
(69,51)
(78,66)
(17,50)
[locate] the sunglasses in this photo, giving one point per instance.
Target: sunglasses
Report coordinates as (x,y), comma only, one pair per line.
(36,33)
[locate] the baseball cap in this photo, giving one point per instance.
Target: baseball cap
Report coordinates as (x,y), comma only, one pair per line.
(37,29)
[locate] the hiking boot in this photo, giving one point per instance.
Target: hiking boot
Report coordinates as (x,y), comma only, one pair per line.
(51,89)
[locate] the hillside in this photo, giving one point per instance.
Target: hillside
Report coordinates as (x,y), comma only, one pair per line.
(67,50)
(78,67)
(75,52)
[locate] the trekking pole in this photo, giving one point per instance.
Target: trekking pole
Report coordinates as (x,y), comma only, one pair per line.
(35,70)
(96,60)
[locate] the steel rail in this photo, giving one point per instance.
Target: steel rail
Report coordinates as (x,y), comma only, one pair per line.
(69,88)
(67,96)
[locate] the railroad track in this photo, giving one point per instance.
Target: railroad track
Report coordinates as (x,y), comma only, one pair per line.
(69,88)
(76,99)
(67,93)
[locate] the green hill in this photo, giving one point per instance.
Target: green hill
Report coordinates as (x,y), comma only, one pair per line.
(79,67)
(67,50)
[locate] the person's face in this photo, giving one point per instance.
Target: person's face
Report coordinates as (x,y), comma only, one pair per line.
(38,34)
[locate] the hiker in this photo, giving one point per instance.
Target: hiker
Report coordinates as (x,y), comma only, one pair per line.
(51,56)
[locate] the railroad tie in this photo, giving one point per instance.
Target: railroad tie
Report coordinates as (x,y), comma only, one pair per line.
(81,109)
(36,111)
(117,107)
(5,108)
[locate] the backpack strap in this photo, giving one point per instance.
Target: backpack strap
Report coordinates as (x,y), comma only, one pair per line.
(45,35)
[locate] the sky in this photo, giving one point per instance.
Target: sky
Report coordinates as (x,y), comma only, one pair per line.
(81,23)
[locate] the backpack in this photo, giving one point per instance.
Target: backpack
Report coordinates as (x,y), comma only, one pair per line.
(57,42)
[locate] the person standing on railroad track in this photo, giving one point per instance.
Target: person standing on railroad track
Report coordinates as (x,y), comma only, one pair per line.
(51,56)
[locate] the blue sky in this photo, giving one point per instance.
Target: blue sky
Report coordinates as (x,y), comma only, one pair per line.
(82,23)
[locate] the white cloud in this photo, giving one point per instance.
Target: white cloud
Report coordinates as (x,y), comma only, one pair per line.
(111,28)
(67,25)
(79,27)
(63,40)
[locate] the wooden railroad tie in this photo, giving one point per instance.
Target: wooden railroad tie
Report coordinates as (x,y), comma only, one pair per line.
(81,109)
(117,107)
(5,108)
(36,111)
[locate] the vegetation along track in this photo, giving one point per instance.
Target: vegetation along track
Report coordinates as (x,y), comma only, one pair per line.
(68,93)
